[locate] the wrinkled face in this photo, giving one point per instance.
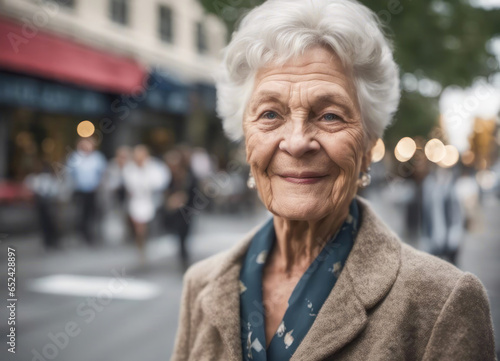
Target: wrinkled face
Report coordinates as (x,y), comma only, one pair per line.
(304,137)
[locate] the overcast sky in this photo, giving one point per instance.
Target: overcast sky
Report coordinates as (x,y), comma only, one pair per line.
(453,100)
(487,3)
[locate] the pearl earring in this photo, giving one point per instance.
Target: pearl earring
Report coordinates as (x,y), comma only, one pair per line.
(251,181)
(365,179)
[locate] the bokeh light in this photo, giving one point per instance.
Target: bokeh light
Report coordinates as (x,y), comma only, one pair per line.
(451,157)
(378,151)
(486,179)
(435,150)
(468,157)
(405,149)
(85,129)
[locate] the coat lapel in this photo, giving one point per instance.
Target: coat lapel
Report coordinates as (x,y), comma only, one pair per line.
(368,275)
(340,319)
(221,299)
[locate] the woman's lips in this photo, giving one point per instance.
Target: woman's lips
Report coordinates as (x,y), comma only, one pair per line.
(303,178)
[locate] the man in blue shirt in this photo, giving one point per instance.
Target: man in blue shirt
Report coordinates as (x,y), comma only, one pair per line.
(86,167)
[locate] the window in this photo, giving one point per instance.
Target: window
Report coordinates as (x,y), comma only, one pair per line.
(65,3)
(166,24)
(119,11)
(201,41)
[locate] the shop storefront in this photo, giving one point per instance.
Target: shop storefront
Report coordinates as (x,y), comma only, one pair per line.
(39,119)
(158,117)
(48,84)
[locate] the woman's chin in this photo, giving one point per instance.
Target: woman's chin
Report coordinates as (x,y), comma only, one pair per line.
(303,210)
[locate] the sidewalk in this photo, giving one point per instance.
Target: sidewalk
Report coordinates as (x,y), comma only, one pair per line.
(211,233)
(480,255)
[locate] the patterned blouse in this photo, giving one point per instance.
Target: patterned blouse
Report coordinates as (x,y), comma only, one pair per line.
(306,299)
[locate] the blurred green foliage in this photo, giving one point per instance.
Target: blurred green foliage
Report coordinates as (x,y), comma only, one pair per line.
(442,40)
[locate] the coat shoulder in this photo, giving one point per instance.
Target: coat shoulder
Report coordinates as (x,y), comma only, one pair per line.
(424,271)
(430,280)
(204,271)
(209,269)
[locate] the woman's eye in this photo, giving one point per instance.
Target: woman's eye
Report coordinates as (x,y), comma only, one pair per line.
(331,117)
(270,115)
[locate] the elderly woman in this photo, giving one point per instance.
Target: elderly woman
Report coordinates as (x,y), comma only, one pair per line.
(310,85)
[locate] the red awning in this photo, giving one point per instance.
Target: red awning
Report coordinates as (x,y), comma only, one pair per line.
(56,58)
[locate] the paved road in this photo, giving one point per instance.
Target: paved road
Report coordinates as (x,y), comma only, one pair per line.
(481,256)
(117,326)
(138,321)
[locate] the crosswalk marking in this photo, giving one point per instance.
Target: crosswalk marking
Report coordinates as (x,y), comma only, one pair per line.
(89,286)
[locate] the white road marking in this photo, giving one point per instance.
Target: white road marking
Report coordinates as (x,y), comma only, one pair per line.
(88,286)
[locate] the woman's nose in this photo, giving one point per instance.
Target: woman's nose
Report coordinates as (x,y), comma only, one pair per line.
(298,141)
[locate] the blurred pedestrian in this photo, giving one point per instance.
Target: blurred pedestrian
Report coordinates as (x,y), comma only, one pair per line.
(180,197)
(442,218)
(115,182)
(496,169)
(86,166)
(413,198)
(201,163)
(468,193)
(114,195)
(143,178)
(44,186)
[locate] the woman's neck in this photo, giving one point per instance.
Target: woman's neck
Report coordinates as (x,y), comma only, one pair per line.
(298,243)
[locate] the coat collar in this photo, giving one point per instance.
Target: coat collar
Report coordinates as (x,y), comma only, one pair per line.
(369,273)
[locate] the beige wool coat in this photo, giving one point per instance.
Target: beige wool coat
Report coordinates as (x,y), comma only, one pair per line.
(391,302)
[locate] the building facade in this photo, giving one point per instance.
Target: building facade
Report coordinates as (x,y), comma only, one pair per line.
(140,70)
(174,34)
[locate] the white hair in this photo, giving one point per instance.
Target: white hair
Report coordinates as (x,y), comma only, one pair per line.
(281,29)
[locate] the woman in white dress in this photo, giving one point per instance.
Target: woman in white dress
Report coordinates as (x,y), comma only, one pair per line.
(143,178)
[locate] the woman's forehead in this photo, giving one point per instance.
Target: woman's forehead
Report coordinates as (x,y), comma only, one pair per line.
(311,87)
(316,68)
(316,59)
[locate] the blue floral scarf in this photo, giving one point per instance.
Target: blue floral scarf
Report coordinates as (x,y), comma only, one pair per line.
(306,299)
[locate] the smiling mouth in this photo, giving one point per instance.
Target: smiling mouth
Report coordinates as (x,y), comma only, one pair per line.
(303,178)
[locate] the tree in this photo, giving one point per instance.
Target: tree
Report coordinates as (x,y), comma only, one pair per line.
(441,41)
